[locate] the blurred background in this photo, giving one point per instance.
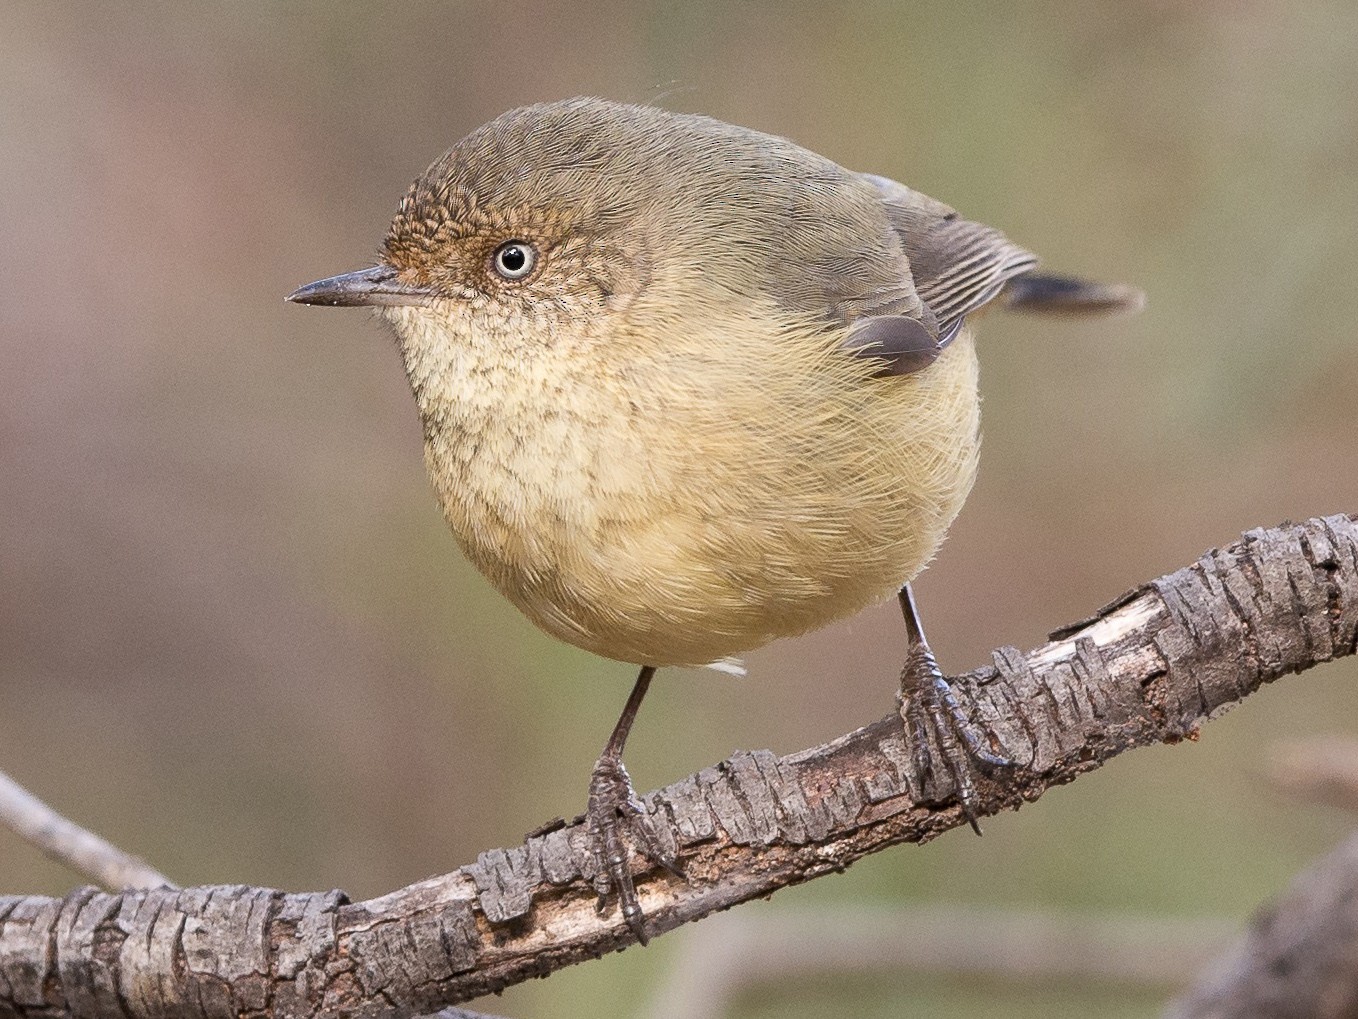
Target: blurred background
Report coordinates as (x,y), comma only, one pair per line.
(235,637)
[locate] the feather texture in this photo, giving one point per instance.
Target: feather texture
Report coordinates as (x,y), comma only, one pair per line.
(957,266)
(724,407)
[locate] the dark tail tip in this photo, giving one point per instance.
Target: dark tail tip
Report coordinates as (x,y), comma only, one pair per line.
(1070,295)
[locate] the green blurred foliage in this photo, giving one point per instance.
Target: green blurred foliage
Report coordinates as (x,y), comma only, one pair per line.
(234,635)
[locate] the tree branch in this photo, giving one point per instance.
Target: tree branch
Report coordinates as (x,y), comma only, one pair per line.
(68,843)
(1296,960)
(747,954)
(1149,668)
(1321,769)
(1298,957)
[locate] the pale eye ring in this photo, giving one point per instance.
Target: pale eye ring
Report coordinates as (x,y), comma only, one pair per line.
(513,260)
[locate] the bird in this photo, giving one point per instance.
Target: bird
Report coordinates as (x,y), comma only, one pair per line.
(687,388)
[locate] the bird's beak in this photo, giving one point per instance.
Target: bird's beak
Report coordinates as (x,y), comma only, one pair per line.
(365,287)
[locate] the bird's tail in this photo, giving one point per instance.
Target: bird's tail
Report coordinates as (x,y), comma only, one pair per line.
(1045,294)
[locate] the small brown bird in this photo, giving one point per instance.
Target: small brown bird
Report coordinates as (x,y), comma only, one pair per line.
(687,388)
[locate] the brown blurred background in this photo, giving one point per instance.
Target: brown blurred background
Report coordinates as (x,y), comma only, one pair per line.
(235,637)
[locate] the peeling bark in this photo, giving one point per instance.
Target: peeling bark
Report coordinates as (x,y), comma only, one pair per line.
(1149,668)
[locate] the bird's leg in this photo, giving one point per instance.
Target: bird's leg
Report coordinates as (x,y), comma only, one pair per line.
(935,721)
(614,812)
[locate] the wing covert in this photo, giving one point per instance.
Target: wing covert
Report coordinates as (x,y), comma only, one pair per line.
(958,266)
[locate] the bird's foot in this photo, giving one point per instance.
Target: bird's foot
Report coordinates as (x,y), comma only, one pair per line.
(937,730)
(616,822)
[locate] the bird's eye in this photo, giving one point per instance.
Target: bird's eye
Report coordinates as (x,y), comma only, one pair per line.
(514,259)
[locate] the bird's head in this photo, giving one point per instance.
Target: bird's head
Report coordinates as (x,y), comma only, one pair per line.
(530,229)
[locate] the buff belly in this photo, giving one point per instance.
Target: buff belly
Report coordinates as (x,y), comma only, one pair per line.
(704,511)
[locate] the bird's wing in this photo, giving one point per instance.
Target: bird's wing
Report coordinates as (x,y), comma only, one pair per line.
(957,265)
(951,267)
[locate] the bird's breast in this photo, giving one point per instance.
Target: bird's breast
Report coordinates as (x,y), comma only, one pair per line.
(675,503)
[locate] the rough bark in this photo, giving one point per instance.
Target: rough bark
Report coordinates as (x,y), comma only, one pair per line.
(1149,668)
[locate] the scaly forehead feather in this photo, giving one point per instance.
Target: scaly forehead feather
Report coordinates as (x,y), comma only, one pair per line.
(575,159)
(595,160)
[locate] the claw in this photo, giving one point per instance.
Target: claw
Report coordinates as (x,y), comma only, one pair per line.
(933,718)
(615,819)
